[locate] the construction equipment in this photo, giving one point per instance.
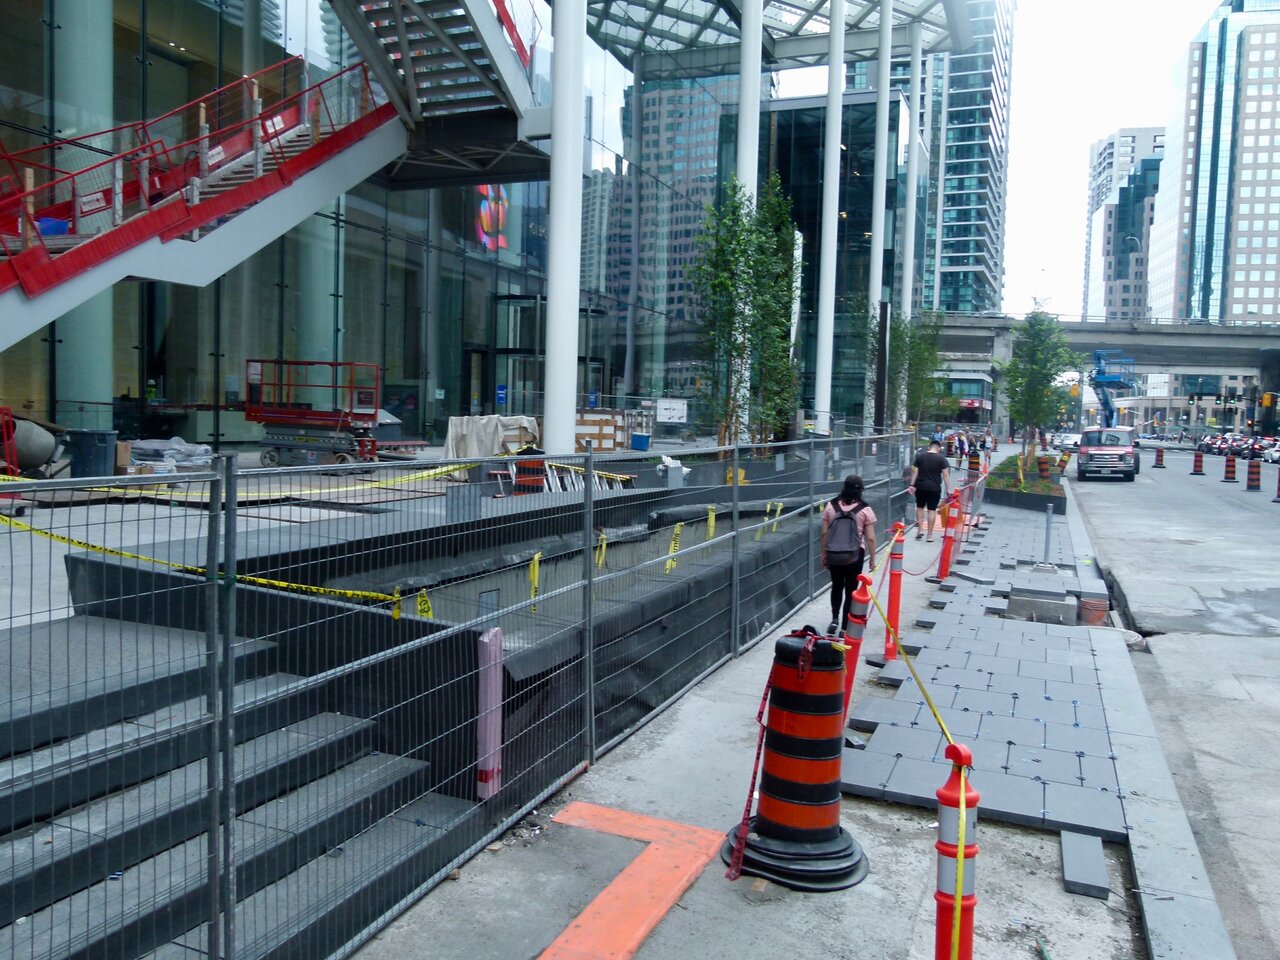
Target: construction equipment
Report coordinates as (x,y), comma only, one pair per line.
(314,411)
(1110,373)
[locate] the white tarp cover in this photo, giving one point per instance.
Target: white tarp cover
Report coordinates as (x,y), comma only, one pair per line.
(483,436)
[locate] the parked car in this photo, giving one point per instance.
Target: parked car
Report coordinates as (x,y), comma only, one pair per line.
(1256,448)
(1068,441)
(1272,453)
(1108,452)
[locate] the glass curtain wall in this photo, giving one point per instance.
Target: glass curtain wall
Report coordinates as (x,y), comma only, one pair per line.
(443,288)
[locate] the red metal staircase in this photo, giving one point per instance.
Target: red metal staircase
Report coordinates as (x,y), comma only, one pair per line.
(71,206)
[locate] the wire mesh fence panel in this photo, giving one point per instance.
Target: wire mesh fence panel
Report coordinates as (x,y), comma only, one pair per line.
(109,824)
(255,712)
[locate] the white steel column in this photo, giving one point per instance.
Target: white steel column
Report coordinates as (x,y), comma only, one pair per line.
(875,286)
(749,66)
(564,228)
(831,133)
(913,175)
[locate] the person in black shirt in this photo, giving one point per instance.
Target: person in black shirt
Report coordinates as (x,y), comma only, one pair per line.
(931,477)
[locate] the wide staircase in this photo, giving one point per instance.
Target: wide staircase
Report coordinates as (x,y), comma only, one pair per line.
(113,749)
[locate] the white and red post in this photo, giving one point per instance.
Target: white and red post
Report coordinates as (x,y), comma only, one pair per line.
(948,898)
(897,551)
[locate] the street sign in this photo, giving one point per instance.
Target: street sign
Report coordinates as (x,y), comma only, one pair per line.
(502,395)
(593,400)
(672,411)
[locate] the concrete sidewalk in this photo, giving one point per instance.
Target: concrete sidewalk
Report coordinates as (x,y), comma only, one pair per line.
(692,765)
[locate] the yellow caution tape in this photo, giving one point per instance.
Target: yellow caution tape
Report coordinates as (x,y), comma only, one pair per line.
(424,606)
(601,546)
(201,571)
(535,573)
(768,512)
(711,523)
(674,549)
(897,642)
(777,516)
(959,895)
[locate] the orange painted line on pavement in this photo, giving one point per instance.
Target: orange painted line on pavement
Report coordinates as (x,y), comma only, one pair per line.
(616,922)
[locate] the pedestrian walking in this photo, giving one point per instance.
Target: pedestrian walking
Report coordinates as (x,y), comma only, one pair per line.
(848,541)
(931,477)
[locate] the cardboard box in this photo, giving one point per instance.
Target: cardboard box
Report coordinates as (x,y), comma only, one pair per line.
(124,456)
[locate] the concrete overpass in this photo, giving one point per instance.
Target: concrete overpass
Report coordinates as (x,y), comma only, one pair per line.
(975,341)
(1167,347)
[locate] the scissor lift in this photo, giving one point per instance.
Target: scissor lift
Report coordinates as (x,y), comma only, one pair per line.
(314,411)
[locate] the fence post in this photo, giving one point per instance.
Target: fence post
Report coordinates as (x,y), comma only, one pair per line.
(117,192)
(735,591)
(588,612)
(813,468)
(213,706)
(226,719)
(256,107)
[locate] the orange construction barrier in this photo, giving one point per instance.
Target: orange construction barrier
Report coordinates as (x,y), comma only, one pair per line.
(1159,464)
(1043,464)
(897,552)
(855,629)
(795,838)
(1253,477)
(1197,464)
(950,522)
(1229,471)
(951,848)
(1063,461)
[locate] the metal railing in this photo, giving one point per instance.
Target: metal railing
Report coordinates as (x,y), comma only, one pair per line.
(260,711)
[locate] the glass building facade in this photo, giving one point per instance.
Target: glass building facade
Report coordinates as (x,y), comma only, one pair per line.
(1217,216)
(442,287)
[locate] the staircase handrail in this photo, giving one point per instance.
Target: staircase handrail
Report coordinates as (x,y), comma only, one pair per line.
(135,179)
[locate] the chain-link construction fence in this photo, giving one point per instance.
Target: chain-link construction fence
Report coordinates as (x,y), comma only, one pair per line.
(255,713)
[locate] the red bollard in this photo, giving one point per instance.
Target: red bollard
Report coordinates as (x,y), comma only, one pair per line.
(1197,464)
(1159,464)
(855,628)
(948,847)
(896,552)
(1253,476)
(949,524)
(1229,471)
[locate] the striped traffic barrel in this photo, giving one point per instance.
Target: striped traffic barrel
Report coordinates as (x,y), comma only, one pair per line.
(795,838)
(1042,463)
(1197,464)
(1229,470)
(1253,476)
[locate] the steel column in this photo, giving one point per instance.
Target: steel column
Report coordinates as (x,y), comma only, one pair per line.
(832,134)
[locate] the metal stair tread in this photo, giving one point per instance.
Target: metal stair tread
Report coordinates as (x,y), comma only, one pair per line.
(156,886)
(51,856)
(272,921)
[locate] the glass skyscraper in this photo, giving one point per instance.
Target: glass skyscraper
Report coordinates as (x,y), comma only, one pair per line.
(1216,235)
(969,92)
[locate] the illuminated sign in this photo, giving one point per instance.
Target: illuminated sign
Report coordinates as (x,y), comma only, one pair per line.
(491,221)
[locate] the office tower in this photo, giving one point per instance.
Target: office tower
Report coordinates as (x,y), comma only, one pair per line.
(1110,161)
(1216,235)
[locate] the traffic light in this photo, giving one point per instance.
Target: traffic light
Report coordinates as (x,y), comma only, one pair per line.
(1218,400)
(1232,399)
(1191,400)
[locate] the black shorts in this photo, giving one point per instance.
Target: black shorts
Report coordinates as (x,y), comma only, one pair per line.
(928,499)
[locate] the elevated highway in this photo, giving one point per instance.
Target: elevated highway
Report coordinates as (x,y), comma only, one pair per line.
(1167,347)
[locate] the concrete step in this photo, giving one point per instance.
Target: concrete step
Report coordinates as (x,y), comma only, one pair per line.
(318,908)
(49,861)
(149,904)
(39,785)
(68,677)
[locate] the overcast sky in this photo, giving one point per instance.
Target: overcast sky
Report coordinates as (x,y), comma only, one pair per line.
(1081,70)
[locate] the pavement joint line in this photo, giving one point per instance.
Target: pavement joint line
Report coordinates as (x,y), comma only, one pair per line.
(615,924)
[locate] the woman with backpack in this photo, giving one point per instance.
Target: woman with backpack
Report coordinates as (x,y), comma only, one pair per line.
(848,539)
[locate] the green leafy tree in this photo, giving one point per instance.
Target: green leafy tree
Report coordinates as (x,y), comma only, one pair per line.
(775,383)
(744,280)
(916,365)
(1029,378)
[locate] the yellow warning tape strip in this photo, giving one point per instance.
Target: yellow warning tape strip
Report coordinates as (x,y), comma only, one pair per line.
(535,574)
(674,549)
(287,494)
(942,725)
(201,571)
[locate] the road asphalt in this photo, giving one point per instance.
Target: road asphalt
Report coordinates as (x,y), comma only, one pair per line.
(1193,563)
